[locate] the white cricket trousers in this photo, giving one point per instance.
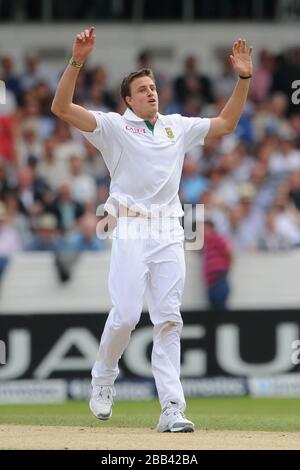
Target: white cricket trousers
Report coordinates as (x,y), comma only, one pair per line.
(147,258)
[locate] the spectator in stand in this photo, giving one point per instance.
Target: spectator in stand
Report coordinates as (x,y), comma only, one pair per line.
(287,156)
(26,195)
(225,188)
(98,78)
(238,163)
(287,223)
(238,232)
(252,215)
(217,258)
(43,95)
(263,77)
(9,76)
(270,117)
(192,84)
(65,209)
(83,186)
(210,156)
(294,122)
(167,102)
(217,214)
(94,165)
(29,144)
(244,130)
(16,219)
(224,84)
(28,111)
(270,238)
(34,194)
(10,241)
(267,145)
(6,183)
(191,106)
(33,73)
(264,187)
(84,238)
(46,236)
(192,184)
(294,189)
(66,145)
(95,100)
(42,191)
(52,169)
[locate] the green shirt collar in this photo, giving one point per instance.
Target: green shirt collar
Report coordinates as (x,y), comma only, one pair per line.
(150,126)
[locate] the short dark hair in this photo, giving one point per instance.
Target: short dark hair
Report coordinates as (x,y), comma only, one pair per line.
(125,85)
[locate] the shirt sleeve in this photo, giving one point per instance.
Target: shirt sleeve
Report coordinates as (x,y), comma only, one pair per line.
(195,131)
(100,136)
(104,137)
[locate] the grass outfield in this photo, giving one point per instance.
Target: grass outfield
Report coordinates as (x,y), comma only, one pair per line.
(207,413)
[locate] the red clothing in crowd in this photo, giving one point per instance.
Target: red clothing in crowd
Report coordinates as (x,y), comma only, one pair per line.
(6,137)
(216,257)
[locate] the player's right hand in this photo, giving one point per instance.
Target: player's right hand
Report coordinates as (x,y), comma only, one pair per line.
(84,44)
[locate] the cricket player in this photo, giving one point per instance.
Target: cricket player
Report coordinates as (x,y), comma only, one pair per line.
(144,153)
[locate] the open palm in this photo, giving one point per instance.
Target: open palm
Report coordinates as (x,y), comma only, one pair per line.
(242,58)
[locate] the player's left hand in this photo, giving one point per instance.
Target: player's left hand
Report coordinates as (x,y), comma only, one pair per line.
(242,58)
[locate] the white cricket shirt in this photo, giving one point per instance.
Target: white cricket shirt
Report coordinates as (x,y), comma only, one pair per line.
(145,166)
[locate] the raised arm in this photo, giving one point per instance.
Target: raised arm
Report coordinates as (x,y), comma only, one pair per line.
(227,121)
(63,105)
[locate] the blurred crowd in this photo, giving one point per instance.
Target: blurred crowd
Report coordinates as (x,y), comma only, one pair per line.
(52,179)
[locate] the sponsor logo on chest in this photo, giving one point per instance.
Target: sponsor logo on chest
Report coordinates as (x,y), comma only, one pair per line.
(135,130)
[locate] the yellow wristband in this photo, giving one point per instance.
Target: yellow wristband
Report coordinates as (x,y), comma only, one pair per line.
(73,62)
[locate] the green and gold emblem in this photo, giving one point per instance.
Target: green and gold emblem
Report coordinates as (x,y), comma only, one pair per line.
(169,132)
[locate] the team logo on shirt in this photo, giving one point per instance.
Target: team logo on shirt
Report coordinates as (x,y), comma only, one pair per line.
(169,132)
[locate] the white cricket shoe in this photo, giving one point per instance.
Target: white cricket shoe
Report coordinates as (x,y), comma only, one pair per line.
(101,401)
(174,420)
